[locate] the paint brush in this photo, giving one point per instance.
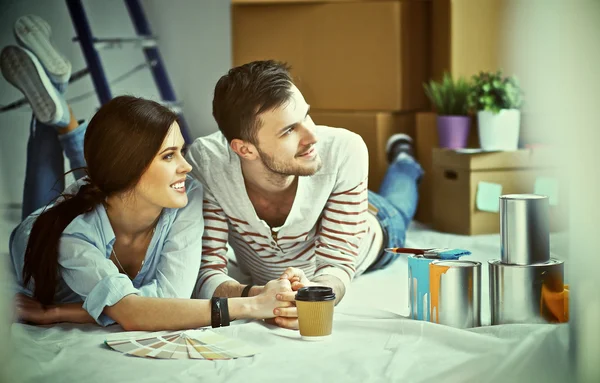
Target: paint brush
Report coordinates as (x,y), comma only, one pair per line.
(434,253)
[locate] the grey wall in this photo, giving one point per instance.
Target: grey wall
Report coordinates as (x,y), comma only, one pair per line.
(194,38)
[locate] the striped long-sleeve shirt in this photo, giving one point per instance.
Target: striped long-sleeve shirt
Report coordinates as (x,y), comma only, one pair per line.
(326,232)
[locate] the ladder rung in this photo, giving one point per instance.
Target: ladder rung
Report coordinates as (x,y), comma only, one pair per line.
(119,42)
(90,46)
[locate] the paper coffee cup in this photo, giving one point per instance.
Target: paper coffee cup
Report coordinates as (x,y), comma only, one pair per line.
(315,312)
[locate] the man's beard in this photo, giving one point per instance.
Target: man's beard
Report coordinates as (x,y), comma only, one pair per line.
(283,169)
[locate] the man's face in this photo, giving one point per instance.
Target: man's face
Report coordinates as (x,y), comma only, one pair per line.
(286,139)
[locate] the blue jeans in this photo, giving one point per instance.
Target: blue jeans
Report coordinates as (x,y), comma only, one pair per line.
(396,203)
(44,174)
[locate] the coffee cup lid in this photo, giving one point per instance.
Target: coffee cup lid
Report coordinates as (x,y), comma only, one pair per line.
(315,294)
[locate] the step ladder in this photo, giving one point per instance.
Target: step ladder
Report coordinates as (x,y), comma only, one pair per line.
(90,46)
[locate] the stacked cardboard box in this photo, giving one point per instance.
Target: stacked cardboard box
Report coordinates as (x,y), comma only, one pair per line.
(360,64)
(426,138)
(467,37)
(466,187)
(375,128)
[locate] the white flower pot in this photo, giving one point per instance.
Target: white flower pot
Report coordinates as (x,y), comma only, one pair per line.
(499,131)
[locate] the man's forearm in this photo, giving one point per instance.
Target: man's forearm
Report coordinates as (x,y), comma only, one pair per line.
(232,289)
(335,283)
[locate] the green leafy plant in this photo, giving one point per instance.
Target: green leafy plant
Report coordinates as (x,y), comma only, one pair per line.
(492,92)
(449,97)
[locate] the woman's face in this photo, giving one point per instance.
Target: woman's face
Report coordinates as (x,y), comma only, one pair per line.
(163,184)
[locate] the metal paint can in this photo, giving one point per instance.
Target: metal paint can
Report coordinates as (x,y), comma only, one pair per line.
(527,294)
(455,293)
(524,229)
(418,287)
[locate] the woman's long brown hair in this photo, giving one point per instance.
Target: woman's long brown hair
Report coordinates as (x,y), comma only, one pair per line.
(120,143)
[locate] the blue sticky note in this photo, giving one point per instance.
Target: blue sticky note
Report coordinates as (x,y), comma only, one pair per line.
(547,186)
(488,196)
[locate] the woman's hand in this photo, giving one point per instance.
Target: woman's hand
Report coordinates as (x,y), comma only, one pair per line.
(32,311)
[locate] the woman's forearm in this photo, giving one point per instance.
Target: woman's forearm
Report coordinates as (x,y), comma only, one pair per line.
(72,313)
(140,313)
(135,313)
(153,314)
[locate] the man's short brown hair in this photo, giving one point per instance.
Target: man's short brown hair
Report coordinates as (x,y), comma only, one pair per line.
(247,91)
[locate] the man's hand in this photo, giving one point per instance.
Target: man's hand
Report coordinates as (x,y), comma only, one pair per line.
(32,311)
(298,280)
(288,317)
(296,277)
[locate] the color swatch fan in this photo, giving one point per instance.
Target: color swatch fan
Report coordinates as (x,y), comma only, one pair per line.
(191,344)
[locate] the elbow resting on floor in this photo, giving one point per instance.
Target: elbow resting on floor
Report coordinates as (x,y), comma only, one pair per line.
(126,313)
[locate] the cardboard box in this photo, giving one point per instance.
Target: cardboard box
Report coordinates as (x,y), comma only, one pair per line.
(351,55)
(290,1)
(426,139)
(467,37)
(247,2)
(459,177)
(234,2)
(375,129)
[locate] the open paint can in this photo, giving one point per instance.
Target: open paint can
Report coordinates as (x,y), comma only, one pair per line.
(418,287)
(527,293)
(455,288)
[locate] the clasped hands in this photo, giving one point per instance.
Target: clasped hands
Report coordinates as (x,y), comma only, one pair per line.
(287,317)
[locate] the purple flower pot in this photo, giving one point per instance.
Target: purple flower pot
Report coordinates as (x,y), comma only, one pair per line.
(453,131)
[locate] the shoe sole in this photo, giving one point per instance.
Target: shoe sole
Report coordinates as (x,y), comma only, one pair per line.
(24,71)
(33,33)
(391,142)
(397,137)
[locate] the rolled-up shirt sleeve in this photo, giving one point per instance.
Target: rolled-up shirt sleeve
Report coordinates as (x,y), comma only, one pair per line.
(87,271)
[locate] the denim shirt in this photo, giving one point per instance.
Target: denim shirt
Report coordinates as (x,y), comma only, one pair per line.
(87,274)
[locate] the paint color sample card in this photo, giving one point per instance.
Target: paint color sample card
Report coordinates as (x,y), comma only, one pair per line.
(488,196)
(191,344)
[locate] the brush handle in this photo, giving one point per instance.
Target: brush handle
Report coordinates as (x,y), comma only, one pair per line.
(406,250)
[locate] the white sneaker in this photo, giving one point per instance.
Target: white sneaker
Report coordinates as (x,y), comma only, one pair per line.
(398,143)
(22,69)
(33,33)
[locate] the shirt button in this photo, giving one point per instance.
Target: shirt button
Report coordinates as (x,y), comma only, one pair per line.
(273,243)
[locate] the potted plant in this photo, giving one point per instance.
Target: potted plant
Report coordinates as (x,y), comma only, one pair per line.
(497,100)
(450,100)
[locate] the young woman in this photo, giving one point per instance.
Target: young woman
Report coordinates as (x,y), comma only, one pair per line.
(123,244)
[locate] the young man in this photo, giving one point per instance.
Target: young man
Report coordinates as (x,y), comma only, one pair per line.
(286,193)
